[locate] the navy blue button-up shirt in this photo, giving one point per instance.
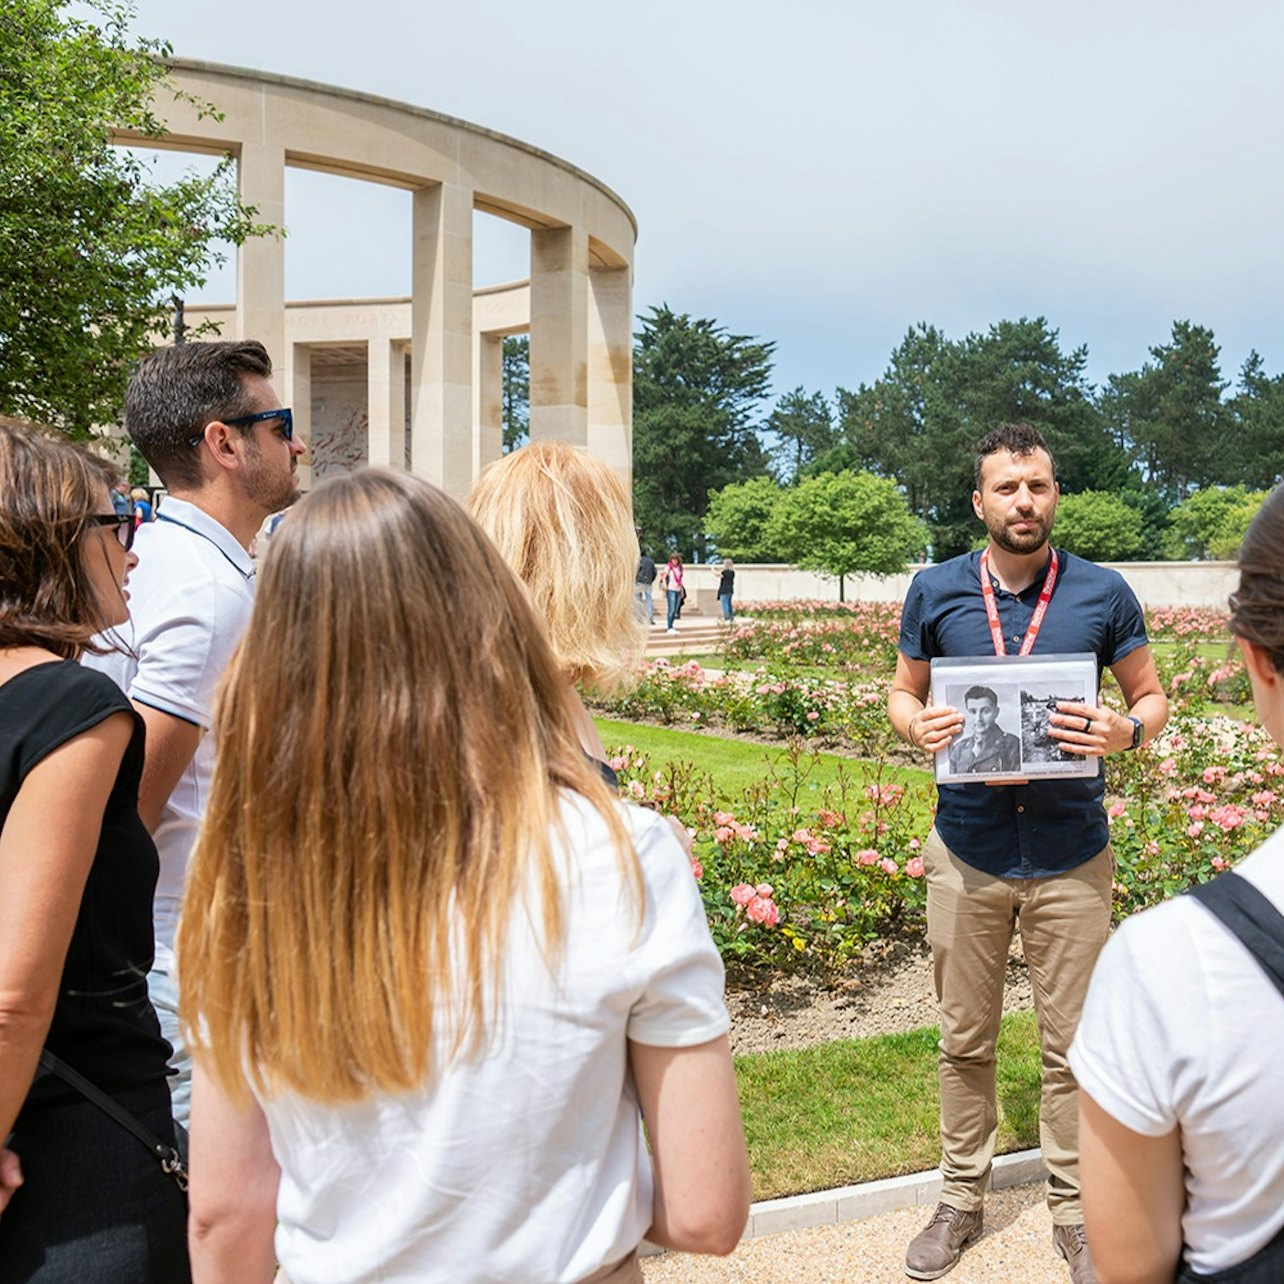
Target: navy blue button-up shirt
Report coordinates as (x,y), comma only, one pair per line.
(1047,826)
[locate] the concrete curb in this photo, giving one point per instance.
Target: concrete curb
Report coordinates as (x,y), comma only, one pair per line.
(852,1203)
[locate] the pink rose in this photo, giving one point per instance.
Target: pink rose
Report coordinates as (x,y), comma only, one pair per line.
(867,857)
(742,893)
(888,865)
(1116,809)
(697,869)
(914,867)
(762,910)
(764,889)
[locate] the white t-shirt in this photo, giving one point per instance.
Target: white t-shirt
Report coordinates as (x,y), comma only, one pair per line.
(1182,1027)
(189,602)
(527,1164)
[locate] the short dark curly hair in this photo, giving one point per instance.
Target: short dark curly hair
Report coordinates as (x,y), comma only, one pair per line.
(1015,439)
(176,391)
(49,489)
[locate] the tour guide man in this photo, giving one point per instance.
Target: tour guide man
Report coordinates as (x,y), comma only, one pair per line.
(1038,850)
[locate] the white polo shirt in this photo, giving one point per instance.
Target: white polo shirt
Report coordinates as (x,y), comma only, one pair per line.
(189,601)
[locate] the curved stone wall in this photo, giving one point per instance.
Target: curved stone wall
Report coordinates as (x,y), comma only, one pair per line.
(445,338)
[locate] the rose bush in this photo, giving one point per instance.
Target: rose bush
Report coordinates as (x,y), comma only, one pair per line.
(812,887)
(836,877)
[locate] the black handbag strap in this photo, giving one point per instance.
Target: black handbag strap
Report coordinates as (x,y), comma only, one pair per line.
(1251,917)
(170,1160)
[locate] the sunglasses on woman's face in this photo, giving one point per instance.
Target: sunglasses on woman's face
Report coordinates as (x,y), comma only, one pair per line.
(124,524)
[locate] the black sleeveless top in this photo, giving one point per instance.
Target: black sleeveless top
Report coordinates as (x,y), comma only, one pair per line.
(104,1024)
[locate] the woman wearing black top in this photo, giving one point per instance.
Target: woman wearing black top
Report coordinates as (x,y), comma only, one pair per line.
(726,587)
(80,1198)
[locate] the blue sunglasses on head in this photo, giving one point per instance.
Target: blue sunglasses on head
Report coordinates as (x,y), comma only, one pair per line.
(284,414)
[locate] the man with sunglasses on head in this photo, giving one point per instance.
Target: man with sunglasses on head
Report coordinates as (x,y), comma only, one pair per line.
(206,418)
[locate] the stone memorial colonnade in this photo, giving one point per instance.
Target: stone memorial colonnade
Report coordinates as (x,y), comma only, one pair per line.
(577,304)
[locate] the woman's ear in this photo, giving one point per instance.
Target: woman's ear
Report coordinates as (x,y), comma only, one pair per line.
(1258,662)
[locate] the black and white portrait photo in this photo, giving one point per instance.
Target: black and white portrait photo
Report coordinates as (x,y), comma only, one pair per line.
(1006,705)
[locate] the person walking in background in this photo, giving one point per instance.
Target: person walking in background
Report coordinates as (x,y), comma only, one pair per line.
(81,1198)
(121,500)
(726,589)
(562,520)
(427,953)
(1037,851)
(1179,1050)
(643,581)
(671,579)
(206,418)
(141,505)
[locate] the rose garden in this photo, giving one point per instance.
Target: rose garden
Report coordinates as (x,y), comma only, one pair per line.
(808,866)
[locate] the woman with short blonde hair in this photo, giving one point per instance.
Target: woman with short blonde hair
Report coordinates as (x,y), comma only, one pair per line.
(423,961)
(564,522)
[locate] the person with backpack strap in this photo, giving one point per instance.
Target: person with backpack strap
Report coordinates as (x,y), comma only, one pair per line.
(1179,1050)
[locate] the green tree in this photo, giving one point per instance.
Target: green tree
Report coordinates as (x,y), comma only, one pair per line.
(696,390)
(739,519)
(91,248)
(921,421)
(1099,526)
(805,428)
(1211,523)
(1257,412)
(516,391)
(1153,510)
(844,523)
(1170,417)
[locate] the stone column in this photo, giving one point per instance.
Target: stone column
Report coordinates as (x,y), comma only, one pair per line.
(260,262)
(559,334)
(385,403)
(441,343)
(295,390)
(488,383)
(610,369)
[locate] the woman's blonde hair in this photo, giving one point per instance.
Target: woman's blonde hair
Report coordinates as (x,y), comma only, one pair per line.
(564,523)
(393,735)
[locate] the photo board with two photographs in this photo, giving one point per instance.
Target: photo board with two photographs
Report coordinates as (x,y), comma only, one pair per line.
(1007,703)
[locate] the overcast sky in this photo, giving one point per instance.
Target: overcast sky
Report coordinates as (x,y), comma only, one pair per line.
(825,174)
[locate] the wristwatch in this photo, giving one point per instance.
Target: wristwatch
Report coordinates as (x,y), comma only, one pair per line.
(1138,732)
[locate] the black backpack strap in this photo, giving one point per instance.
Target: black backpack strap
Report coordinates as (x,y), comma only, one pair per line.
(1249,916)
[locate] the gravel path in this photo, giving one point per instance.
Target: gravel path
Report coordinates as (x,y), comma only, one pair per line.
(1016,1248)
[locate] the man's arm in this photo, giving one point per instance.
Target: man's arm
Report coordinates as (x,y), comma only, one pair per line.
(926,727)
(1110,732)
(171,742)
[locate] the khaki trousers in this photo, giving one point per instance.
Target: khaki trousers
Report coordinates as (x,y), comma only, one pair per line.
(1064,920)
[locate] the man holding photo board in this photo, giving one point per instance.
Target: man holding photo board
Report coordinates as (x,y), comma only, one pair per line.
(1033,850)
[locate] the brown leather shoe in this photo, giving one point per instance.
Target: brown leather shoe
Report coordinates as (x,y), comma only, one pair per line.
(1072,1244)
(936,1249)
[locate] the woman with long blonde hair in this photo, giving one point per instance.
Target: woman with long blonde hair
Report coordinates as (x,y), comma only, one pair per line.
(82,1061)
(422,956)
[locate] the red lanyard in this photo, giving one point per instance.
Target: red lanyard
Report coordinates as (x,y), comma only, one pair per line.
(1040,610)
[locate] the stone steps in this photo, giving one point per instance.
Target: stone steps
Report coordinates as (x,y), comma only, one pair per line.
(693,635)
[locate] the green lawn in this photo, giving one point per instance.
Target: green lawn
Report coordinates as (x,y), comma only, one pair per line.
(859,1109)
(734,764)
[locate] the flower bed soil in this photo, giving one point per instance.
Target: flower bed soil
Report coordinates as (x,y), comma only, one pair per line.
(885,994)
